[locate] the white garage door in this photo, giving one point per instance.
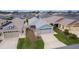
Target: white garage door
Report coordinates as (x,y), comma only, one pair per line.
(11,35)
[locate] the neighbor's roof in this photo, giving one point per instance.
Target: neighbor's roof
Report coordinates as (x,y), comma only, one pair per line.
(76,24)
(18,23)
(53,19)
(8,26)
(66,21)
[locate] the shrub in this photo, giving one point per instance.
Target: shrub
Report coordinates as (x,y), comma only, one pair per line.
(73,36)
(66,32)
(8,17)
(51,24)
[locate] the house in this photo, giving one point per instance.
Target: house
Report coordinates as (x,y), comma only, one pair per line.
(63,23)
(66,23)
(8,30)
(12,28)
(53,19)
(40,26)
(70,24)
(19,23)
(75,26)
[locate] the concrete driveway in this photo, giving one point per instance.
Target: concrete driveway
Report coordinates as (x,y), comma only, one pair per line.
(51,41)
(9,43)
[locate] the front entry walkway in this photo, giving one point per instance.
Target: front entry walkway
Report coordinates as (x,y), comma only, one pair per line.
(51,41)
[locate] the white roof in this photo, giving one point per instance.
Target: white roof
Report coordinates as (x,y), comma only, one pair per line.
(76,23)
(32,20)
(40,23)
(37,22)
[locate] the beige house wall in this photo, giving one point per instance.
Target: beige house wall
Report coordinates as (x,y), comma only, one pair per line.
(74,28)
(11,34)
(70,28)
(63,27)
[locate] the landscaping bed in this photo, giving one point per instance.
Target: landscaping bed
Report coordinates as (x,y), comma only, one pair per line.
(66,37)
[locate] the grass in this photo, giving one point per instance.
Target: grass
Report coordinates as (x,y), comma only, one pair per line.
(64,38)
(31,41)
(25,43)
(39,44)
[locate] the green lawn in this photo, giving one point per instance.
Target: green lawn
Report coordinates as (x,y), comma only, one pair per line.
(66,39)
(39,44)
(24,43)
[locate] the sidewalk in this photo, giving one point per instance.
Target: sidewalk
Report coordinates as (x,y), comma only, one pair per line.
(10,43)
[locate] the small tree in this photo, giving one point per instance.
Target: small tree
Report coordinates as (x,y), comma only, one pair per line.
(8,17)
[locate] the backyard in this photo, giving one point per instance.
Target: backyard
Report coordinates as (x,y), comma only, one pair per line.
(66,37)
(30,42)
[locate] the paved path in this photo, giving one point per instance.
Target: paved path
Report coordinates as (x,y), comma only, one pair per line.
(51,41)
(10,43)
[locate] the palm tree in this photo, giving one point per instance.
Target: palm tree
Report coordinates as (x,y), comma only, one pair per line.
(27,21)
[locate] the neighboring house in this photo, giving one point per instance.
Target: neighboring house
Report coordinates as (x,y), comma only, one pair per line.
(9,30)
(66,23)
(53,19)
(12,29)
(71,24)
(40,26)
(75,28)
(19,23)
(63,23)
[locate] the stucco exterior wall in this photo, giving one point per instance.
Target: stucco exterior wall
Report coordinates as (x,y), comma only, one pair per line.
(74,28)
(38,32)
(63,27)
